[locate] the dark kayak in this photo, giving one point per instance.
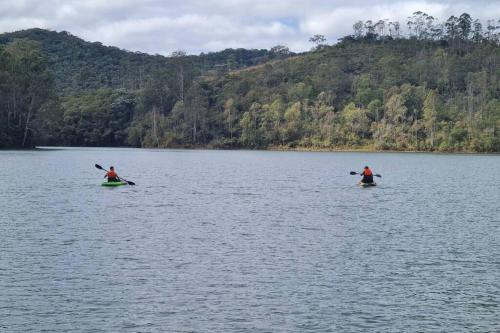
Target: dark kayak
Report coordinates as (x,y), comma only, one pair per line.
(367,184)
(113,183)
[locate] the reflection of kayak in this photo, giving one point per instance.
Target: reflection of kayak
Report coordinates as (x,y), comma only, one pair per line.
(367,184)
(113,183)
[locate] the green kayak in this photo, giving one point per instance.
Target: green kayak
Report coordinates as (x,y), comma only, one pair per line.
(113,183)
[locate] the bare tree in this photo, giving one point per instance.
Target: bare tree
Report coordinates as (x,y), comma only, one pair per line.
(380,27)
(477,34)
(394,29)
(179,58)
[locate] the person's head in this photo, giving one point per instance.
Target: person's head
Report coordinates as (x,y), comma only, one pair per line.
(112,168)
(366,167)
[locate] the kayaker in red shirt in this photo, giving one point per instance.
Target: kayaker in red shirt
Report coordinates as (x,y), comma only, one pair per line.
(367,175)
(112,175)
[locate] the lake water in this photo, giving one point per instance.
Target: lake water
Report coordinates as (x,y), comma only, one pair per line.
(247,241)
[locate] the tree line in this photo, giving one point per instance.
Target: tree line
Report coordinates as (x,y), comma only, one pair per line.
(376,89)
(422,26)
(433,87)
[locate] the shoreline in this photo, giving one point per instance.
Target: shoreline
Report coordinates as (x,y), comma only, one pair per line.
(372,150)
(272,148)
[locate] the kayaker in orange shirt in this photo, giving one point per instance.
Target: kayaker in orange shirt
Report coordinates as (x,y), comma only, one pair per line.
(367,176)
(112,175)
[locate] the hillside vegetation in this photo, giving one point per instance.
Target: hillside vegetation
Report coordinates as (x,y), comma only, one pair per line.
(80,65)
(434,88)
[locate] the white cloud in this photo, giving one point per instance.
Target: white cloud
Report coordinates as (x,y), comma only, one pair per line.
(161,26)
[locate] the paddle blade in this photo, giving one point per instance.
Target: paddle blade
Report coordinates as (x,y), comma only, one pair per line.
(377,175)
(99,167)
(352,173)
(130,183)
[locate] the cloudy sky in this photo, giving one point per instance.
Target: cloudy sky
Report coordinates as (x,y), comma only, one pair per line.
(162,26)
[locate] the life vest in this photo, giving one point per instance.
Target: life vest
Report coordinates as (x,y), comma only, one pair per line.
(367,172)
(111,174)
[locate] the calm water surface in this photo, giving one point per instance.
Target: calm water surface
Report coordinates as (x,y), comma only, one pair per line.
(243,241)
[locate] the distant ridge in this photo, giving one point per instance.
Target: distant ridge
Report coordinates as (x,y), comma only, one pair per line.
(80,65)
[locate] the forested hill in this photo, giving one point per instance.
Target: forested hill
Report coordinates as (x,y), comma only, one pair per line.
(376,93)
(433,88)
(80,65)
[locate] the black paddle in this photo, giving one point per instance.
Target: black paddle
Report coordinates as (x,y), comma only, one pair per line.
(101,168)
(356,173)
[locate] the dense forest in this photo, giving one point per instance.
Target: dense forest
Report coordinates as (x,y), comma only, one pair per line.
(80,65)
(428,86)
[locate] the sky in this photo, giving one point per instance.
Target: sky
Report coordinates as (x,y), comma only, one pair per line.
(164,26)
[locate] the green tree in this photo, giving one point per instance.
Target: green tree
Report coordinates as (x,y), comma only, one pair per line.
(430,112)
(273,121)
(293,122)
(299,92)
(230,116)
(464,25)
(28,87)
(319,41)
(356,123)
(250,123)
